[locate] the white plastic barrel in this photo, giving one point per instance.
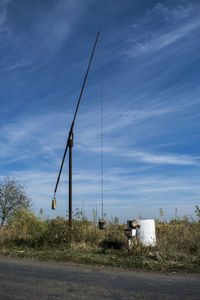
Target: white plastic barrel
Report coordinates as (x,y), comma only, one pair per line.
(146,234)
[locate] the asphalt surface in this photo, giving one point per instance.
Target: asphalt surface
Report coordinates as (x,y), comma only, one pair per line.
(23,279)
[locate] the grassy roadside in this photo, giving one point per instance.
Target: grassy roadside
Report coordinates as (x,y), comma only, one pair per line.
(149,261)
(28,236)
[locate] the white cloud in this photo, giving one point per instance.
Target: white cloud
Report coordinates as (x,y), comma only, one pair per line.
(132,193)
(149,157)
(178,22)
(45,135)
(115,122)
(137,124)
(46,33)
(33,136)
(17,65)
(164,39)
(170,159)
(130,184)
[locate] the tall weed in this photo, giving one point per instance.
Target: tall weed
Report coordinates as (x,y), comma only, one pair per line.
(175,240)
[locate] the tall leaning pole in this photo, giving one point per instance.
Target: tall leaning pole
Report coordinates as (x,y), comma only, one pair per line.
(69,143)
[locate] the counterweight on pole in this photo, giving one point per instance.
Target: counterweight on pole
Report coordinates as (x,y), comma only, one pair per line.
(73,122)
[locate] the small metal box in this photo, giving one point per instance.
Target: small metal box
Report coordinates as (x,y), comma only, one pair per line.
(129,232)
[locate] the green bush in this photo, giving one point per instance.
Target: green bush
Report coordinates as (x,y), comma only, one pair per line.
(57,232)
(26,228)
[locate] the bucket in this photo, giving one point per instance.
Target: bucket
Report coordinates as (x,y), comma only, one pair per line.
(146,234)
(102,225)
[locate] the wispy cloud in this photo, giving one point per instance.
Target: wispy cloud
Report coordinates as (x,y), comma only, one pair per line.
(29,137)
(3,12)
(35,136)
(118,120)
(177,22)
(17,65)
(169,159)
(151,104)
(54,27)
(164,39)
(46,33)
(48,133)
(135,191)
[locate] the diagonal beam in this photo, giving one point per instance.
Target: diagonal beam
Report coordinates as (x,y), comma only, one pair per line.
(73,122)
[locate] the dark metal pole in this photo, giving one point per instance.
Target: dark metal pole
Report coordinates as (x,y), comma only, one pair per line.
(70,181)
(73,122)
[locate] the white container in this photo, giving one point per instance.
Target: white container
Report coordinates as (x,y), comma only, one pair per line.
(146,234)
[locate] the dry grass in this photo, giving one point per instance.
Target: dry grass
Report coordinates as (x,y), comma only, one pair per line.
(177,249)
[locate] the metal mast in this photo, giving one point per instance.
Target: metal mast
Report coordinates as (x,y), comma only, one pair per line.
(70,141)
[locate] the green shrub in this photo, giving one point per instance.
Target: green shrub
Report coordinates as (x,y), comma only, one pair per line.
(57,232)
(26,228)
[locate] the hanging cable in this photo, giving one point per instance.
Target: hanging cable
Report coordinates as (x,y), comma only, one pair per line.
(102,128)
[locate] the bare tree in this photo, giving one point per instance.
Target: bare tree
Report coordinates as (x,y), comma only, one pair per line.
(12,198)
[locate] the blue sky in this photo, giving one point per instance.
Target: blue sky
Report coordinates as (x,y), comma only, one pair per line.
(149,53)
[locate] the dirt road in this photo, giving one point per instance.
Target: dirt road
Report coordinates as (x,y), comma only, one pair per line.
(22,279)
